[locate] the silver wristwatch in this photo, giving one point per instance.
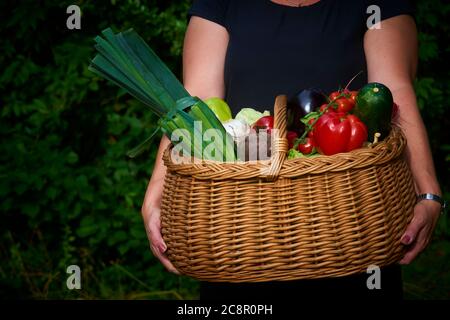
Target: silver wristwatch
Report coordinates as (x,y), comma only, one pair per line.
(434,197)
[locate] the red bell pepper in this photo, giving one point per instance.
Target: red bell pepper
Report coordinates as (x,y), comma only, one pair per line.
(337,132)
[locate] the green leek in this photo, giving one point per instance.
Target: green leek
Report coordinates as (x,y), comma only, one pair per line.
(125,59)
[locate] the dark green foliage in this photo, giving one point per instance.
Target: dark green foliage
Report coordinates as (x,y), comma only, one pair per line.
(68,192)
(432,85)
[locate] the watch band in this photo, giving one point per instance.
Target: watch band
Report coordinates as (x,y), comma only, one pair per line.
(434,197)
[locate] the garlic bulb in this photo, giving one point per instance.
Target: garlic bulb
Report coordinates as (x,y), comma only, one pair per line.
(237,129)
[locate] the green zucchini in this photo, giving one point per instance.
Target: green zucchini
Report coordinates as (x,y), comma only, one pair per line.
(374,104)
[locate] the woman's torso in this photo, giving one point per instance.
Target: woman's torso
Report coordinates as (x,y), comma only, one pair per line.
(276,49)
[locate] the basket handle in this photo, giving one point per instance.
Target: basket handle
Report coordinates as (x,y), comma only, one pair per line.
(279,140)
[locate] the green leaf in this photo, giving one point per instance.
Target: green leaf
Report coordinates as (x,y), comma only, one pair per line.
(30,209)
(72,158)
(143,146)
(154,63)
(87,227)
(309,116)
(52,193)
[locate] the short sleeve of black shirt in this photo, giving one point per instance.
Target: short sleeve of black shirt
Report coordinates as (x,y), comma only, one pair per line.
(212,10)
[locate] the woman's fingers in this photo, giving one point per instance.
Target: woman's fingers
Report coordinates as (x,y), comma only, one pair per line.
(419,231)
(412,230)
(159,247)
(157,244)
(164,260)
(154,230)
(421,241)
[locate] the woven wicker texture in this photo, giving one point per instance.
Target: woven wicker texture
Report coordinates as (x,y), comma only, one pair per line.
(325,216)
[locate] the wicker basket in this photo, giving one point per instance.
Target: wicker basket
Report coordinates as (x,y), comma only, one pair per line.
(306,218)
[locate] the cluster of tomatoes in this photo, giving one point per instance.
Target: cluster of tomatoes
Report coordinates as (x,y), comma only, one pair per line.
(343,101)
(332,129)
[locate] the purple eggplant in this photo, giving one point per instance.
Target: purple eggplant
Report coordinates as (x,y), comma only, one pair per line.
(299,105)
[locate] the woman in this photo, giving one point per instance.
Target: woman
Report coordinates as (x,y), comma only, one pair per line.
(247,52)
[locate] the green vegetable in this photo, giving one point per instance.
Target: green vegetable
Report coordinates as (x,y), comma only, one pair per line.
(220,108)
(374,105)
(250,116)
(293,154)
(125,59)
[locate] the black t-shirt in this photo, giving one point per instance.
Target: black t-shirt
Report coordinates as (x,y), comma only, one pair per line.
(276,49)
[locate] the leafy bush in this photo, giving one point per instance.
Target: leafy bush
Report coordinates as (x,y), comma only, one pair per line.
(69,194)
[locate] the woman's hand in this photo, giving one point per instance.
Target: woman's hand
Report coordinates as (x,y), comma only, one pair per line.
(152,221)
(151,208)
(420,230)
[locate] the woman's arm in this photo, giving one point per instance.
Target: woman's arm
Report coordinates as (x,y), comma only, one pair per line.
(204,52)
(391,54)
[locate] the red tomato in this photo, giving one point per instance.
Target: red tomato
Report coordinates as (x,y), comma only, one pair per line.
(307,147)
(310,122)
(330,109)
(264,123)
(350,95)
(344,105)
(353,95)
(334,95)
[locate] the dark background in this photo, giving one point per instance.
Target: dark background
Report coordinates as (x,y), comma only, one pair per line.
(68,193)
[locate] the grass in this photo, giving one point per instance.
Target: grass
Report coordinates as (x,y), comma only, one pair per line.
(31,273)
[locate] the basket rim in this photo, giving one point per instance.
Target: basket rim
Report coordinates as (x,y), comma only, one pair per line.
(380,153)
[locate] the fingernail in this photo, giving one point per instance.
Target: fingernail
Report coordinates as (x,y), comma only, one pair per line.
(162,248)
(406,239)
